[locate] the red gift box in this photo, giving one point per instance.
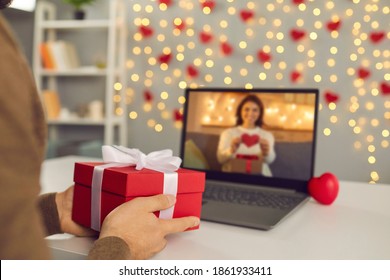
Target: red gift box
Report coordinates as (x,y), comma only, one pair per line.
(251,164)
(121,184)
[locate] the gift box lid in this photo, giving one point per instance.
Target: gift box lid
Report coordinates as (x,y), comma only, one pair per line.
(127,181)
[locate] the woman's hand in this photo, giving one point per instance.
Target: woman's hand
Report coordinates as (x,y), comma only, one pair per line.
(64,201)
(265,147)
(234,144)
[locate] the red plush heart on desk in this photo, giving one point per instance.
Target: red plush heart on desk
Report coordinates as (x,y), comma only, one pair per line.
(324,189)
(250,140)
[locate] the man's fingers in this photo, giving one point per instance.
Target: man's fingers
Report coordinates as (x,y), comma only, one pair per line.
(155,203)
(179,224)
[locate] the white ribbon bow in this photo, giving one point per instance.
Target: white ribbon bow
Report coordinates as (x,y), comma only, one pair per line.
(162,161)
(119,156)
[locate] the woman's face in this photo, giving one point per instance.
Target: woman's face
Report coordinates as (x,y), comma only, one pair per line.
(250,113)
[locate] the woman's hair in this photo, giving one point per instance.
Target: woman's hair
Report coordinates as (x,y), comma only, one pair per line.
(250,98)
(4,3)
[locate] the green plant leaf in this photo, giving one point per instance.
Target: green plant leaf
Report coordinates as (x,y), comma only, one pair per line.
(78,4)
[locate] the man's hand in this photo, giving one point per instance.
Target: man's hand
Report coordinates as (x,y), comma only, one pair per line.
(64,201)
(143,232)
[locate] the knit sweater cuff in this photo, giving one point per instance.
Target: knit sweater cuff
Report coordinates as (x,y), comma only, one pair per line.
(109,248)
(48,207)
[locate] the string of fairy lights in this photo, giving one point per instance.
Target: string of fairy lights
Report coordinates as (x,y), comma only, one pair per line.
(337,46)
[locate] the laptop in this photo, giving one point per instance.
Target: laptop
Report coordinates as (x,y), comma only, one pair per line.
(261,177)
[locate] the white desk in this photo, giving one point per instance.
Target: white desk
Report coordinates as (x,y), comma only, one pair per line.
(355,226)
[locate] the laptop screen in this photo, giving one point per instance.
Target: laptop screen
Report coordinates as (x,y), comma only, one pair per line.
(253,136)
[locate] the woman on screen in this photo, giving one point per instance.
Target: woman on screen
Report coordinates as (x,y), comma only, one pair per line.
(247,147)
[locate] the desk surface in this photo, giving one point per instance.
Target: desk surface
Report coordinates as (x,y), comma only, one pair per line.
(355,226)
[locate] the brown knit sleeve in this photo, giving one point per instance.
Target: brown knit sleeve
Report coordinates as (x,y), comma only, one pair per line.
(48,207)
(109,248)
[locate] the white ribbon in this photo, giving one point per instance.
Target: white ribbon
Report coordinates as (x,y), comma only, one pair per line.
(119,156)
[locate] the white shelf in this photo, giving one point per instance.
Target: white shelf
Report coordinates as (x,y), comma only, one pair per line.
(82,71)
(84,121)
(74,24)
(48,28)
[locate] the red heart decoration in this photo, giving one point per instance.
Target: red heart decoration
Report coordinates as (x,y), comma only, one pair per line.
(205,37)
(208,4)
(376,37)
(385,88)
(226,48)
(263,56)
(333,25)
(166,2)
(294,76)
(250,140)
(324,189)
(297,2)
(296,34)
(177,115)
(192,71)
(246,15)
(165,58)
(363,73)
(146,31)
(331,97)
(148,96)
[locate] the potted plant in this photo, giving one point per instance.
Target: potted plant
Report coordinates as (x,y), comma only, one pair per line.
(79,13)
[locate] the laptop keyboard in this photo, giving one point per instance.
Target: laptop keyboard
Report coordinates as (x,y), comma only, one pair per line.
(251,197)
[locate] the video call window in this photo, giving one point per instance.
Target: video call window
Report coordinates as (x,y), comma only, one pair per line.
(223,133)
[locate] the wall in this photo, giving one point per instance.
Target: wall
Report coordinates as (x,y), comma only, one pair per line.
(23,25)
(350,66)
(330,45)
